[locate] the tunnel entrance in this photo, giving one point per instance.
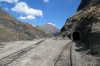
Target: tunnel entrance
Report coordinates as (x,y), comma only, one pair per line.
(76,36)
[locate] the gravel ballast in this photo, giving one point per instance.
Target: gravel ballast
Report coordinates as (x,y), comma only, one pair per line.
(45,54)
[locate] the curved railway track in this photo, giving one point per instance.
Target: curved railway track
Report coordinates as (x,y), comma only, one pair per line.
(9,59)
(65,57)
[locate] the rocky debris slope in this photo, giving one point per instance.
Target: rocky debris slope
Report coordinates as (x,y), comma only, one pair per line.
(80,56)
(86,22)
(11,29)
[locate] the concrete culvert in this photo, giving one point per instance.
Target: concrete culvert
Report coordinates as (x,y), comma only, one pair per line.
(76,36)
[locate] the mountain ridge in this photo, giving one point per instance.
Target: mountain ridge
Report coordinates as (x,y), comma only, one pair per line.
(51,29)
(13,30)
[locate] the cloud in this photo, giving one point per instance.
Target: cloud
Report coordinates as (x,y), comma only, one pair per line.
(30,13)
(46,1)
(35,20)
(22,18)
(0,4)
(30,17)
(52,24)
(5,8)
(10,1)
(34,25)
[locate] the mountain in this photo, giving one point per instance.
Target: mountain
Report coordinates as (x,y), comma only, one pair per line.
(12,29)
(84,25)
(48,28)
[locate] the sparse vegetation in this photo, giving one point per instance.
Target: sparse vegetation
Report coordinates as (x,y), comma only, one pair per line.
(29,39)
(95,50)
(1,44)
(12,29)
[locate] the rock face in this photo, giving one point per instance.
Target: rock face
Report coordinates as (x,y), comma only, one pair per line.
(87,3)
(85,24)
(11,29)
(50,29)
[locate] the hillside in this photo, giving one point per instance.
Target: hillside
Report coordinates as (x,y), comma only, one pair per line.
(49,29)
(12,30)
(84,25)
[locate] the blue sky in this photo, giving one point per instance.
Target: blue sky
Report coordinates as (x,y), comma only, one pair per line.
(39,12)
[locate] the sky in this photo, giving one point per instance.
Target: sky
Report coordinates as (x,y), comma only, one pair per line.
(39,12)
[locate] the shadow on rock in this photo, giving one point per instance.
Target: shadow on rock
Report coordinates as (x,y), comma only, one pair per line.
(80,46)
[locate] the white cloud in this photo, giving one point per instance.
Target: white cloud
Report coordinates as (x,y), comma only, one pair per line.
(5,8)
(30,13)
(34,25)
(46,1)
(35,20)
(10,1)
(30,17)
(22,18)
(52,24)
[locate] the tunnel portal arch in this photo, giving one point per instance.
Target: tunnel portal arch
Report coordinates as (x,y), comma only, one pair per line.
(76,36)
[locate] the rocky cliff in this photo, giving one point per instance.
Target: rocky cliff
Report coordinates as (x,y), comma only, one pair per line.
(85,24)
(85,4)
(12,30)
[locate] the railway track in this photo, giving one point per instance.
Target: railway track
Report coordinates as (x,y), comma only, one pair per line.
(9,59)
(65,57)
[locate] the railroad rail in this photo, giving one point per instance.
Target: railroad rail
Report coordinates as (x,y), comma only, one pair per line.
(65,57)
(9,59)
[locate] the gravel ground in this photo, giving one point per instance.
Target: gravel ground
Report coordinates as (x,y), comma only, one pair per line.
(81,57)
(12,47)
(45,54)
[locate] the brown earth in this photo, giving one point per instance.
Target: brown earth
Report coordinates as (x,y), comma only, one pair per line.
(12,29)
